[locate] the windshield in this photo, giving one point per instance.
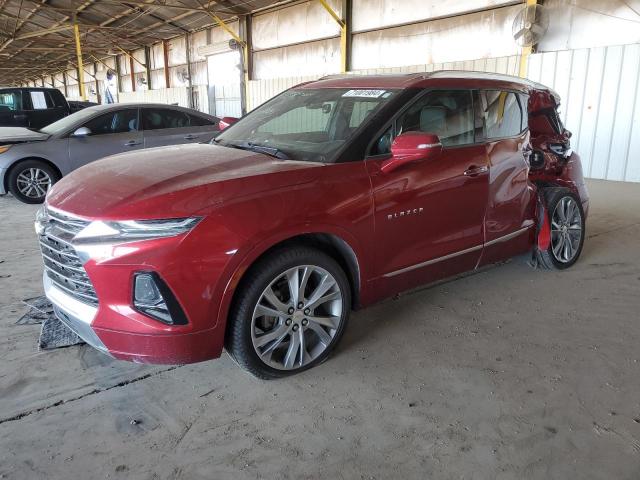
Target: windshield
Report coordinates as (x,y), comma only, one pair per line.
(68,122)
(306,124)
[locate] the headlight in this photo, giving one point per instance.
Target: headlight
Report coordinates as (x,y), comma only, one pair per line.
(135,230)
(4,148)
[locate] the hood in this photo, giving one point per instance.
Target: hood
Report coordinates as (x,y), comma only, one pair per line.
(173,181)
(20,135)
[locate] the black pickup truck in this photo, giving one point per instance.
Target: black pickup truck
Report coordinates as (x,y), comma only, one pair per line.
(34,107)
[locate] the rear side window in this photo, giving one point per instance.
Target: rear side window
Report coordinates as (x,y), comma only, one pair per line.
(122,121)
(446,113)
(196,121)
(10,100)
(161,118)
(40,100)
(502,113)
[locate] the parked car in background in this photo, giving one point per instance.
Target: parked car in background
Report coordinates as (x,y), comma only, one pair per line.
(35,107)
(77,105)
(33,160)
(331,196)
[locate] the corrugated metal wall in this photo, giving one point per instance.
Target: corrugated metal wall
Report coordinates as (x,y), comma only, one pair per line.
(600,90)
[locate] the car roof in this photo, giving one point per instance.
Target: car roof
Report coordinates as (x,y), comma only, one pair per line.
(116,106)
(458,78)
(28,88)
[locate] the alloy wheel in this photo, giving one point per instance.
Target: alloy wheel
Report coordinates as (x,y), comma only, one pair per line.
(33,182)
(566,229)
(296,317)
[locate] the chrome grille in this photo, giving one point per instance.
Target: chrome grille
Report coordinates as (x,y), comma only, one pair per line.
(61,262)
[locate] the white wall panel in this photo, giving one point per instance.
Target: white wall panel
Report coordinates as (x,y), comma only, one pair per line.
(197,40)
(575,24)
(298,23)
(477,35)
(315,58)
(177,51)
(178,95)
(370,14)
(600,90)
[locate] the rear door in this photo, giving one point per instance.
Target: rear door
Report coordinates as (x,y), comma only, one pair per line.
(111,133)
(12,112)
(44,108)
(511,196)
(165,126)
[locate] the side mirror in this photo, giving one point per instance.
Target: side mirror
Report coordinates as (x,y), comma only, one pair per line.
(411,147)
(81,132)
(226,122)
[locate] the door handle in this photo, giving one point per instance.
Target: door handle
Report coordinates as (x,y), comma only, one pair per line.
(132,143)
(190,137)
(474,171)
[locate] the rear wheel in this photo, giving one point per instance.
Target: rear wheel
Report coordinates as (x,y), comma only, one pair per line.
(567,221)
(30,180)
(289,314)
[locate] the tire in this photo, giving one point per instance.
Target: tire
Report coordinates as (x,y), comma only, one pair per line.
(30,180)
(567,234)
(266,328)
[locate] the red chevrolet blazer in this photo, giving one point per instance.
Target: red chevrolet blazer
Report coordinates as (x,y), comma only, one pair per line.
(329,197)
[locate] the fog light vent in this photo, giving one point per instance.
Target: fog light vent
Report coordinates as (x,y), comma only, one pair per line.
(153,297)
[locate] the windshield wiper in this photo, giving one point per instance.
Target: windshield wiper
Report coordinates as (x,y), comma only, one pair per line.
(254,147)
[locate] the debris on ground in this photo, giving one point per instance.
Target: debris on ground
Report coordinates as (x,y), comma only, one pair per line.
(55,334)
(40,309)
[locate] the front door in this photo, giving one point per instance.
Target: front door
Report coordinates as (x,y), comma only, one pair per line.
(111,133)
(429,215)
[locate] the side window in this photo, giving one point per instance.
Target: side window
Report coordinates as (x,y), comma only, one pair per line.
(40,100)
(502,114)
(196,121)
(159,118)
(58,98)
(524,105)
(446,113)
(306,119)
(10,100)
(122,121)
(382,146)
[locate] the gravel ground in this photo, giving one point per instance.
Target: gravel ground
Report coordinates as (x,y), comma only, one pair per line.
(510,373)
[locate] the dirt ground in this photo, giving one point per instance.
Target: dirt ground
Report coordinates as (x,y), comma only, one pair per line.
(510,373)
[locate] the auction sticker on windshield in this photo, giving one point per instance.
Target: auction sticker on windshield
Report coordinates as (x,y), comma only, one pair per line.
(364,93)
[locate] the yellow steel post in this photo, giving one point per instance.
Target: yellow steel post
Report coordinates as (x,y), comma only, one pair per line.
(343,34)
(76,31)
(526,51)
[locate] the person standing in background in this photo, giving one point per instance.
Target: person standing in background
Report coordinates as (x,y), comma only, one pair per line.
(110,88)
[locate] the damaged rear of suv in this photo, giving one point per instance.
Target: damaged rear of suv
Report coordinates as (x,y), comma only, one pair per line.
(557,171)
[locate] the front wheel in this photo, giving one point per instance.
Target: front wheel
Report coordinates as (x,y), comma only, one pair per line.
(30,180)
(567,221)
(290,312)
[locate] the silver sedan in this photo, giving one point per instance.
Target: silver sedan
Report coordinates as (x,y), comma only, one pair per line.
(32,161)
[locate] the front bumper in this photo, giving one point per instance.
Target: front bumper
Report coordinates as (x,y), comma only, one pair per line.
(76,315)
(3,172)
(173,349)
